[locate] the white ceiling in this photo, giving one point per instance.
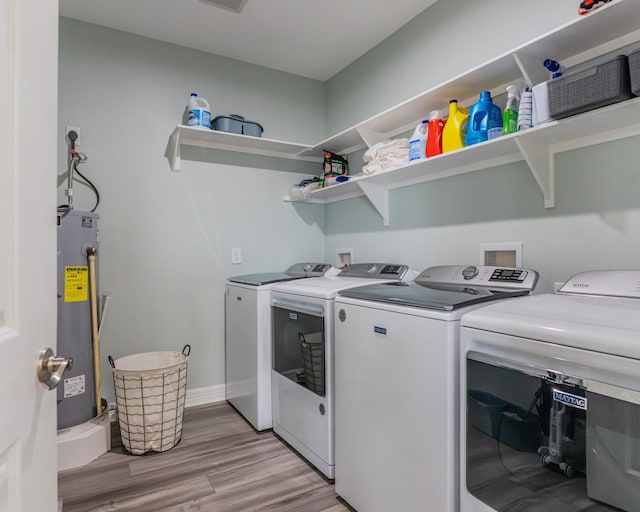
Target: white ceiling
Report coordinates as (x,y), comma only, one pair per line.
(311,38)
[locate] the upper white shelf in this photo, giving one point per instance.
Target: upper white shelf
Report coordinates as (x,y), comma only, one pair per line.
(189,136)
(536,146)
(610,27)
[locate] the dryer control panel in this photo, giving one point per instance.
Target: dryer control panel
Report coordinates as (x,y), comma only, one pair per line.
(495,277)
(608,283)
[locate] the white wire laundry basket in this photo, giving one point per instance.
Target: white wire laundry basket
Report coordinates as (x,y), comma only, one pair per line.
(150,394)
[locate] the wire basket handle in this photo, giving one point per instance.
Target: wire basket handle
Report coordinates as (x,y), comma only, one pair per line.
(110,359)
(186,350)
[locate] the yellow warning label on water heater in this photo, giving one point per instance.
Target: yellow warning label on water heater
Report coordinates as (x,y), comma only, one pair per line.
(76,284)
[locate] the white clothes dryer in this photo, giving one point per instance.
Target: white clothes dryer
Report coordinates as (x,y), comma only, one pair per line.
(397,385)
(302,378)
(550,418)
(248,339)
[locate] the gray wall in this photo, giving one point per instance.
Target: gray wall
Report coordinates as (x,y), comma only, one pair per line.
(166,237)
(596,221)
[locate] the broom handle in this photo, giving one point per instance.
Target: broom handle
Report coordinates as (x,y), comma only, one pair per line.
(91,253)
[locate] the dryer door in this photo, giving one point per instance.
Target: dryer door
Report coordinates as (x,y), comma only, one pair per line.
(299,343)
(544,432)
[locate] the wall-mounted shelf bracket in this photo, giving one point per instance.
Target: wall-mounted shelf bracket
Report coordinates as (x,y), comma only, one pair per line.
(540,160)
(378,195)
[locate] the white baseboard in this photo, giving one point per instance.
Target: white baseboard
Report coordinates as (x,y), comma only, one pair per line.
(199,396)
(202,396)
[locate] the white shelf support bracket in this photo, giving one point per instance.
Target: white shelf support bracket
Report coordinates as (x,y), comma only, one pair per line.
(370,137)
(531,68)
(378,195)
(541,162)
(174,151)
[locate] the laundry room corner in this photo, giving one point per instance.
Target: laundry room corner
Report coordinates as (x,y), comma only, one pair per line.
(166,238)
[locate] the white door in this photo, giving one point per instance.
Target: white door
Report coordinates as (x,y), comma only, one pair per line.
(28,127)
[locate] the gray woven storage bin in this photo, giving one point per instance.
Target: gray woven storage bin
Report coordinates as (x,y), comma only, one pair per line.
(597,87)
(150,395)
(634,72)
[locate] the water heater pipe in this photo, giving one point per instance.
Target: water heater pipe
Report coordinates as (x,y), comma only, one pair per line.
(91,255)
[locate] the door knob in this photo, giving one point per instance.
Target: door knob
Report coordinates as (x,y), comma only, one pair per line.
(51,368)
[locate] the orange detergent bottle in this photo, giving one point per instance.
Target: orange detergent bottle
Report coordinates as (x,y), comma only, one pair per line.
(434,133)
(455,129)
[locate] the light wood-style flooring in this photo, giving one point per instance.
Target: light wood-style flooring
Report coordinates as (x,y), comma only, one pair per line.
(220,465)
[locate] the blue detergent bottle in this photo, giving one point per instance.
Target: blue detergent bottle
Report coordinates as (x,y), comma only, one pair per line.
(483,116)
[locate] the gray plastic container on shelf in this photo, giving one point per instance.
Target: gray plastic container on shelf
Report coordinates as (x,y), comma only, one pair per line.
(231,123)
(235,123)
(596,87)
(634,72)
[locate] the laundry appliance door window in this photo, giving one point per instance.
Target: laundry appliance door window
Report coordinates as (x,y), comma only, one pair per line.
(299,344)
(540,441)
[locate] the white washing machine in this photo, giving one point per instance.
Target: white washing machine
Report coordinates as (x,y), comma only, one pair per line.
(397,385)
(551,413)
(302,374)
(248,339)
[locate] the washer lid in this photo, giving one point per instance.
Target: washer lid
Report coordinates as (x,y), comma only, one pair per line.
(602,324)
(297,271)
(429,296)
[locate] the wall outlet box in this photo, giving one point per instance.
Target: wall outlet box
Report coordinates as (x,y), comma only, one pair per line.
(236,256)
(502,254)
(344,257)
(66,134)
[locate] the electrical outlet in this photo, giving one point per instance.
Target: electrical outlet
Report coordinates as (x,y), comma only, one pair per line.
(75,129)
(236,256)
(344,258)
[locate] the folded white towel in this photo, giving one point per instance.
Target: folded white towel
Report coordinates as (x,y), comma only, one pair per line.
(385,155)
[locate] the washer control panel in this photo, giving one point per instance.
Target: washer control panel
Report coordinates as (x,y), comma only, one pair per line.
(375,270)
(481,275)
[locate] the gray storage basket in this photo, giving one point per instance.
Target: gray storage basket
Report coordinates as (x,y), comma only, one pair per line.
(587,90)
(150,394)
(634,72)
(311,347)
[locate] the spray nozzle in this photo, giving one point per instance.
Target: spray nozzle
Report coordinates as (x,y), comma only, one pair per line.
(513,91)
(554,66)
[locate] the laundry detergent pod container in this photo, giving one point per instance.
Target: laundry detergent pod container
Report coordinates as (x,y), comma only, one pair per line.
(150,394)
(483,116)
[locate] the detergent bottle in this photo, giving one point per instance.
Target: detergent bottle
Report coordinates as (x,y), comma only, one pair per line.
(418,142)
(455,129)
(199,112)
(483,116)
(434,133)
(510,116)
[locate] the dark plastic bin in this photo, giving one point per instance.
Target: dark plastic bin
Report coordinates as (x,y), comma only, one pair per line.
(597,87)
(634,72)
(484,412)
(520,432)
